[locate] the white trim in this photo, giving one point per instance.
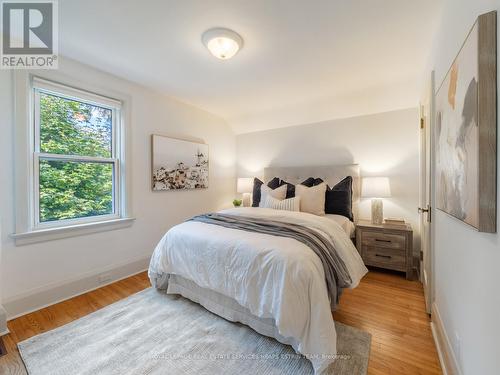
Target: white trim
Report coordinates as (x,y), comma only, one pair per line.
(438,348)
(449,363)
(68,223)
(42,86)
(25,138)
(47,295)
(75,158)
(74,93)
(3,322)
(59,232)
(23,145)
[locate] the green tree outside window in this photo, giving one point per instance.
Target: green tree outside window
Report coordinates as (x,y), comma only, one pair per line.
(74,189)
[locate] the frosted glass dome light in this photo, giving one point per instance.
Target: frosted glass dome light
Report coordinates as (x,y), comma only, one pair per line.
(222,43)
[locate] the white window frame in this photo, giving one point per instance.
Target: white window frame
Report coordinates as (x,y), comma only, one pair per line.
(29,229)
(43,86)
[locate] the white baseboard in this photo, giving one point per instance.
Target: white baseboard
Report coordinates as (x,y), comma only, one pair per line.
(3,321)
(449,363)
(38,298)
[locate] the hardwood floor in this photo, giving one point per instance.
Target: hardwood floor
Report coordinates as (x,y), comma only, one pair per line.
(62,313)
(386,305)
(392,309)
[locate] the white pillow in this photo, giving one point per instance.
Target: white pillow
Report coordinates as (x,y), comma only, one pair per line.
(278,193)
(312,199)
(290,204)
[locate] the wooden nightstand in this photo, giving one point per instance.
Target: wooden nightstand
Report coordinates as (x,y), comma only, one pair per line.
(386,246)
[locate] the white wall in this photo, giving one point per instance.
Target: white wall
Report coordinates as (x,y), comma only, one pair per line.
(3,314)
(465,261)
(384,144)
(31,269)
(6,116)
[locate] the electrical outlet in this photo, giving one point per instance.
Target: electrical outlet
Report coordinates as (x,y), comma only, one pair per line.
(457,347)
(104,278)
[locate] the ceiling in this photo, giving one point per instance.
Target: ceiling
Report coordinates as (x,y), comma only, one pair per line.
(302,61)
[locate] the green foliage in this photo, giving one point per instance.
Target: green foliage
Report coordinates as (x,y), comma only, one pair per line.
(71,189)
(74,128)
(237,202)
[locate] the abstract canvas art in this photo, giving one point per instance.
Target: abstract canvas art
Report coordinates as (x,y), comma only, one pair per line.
(466,131)
(179,164)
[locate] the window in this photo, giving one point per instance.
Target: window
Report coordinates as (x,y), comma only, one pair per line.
(75,157)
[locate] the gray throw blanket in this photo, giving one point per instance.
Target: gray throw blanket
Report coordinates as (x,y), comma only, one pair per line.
(336,274)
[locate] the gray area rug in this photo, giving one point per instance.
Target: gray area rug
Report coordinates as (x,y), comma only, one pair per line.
(154,333)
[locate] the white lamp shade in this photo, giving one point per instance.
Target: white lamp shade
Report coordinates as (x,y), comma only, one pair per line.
(375,187)
(244,185)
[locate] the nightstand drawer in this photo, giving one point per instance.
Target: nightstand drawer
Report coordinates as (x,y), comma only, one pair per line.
(381,239)
(385,258)
(386,246)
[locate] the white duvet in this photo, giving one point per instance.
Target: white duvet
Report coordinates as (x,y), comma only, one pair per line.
(273,277)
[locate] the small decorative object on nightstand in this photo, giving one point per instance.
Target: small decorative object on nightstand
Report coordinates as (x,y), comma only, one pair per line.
(376,188)
(245,186)
(386,246)
(394,221)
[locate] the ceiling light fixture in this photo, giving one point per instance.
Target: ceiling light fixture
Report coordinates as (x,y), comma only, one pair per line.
(222,43)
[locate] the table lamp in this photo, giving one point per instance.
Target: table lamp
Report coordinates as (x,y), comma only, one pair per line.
(245,186)
(376,188)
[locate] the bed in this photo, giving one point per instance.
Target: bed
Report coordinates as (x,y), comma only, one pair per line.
(276,285)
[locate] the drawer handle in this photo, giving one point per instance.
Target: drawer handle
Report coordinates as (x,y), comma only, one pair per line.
(383,256)
(379,240)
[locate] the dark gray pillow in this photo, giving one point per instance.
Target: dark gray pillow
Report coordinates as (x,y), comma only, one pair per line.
(256,192)
(290,189)
(311,181)
(338,200)
(273,184)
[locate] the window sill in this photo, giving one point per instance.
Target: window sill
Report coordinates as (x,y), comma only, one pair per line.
(70,231)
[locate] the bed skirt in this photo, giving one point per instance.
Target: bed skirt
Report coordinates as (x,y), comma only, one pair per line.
(226,307)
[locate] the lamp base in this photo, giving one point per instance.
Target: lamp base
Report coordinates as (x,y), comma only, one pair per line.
(377,211)
(246,199)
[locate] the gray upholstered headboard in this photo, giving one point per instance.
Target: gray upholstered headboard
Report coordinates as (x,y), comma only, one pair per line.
(330,174)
